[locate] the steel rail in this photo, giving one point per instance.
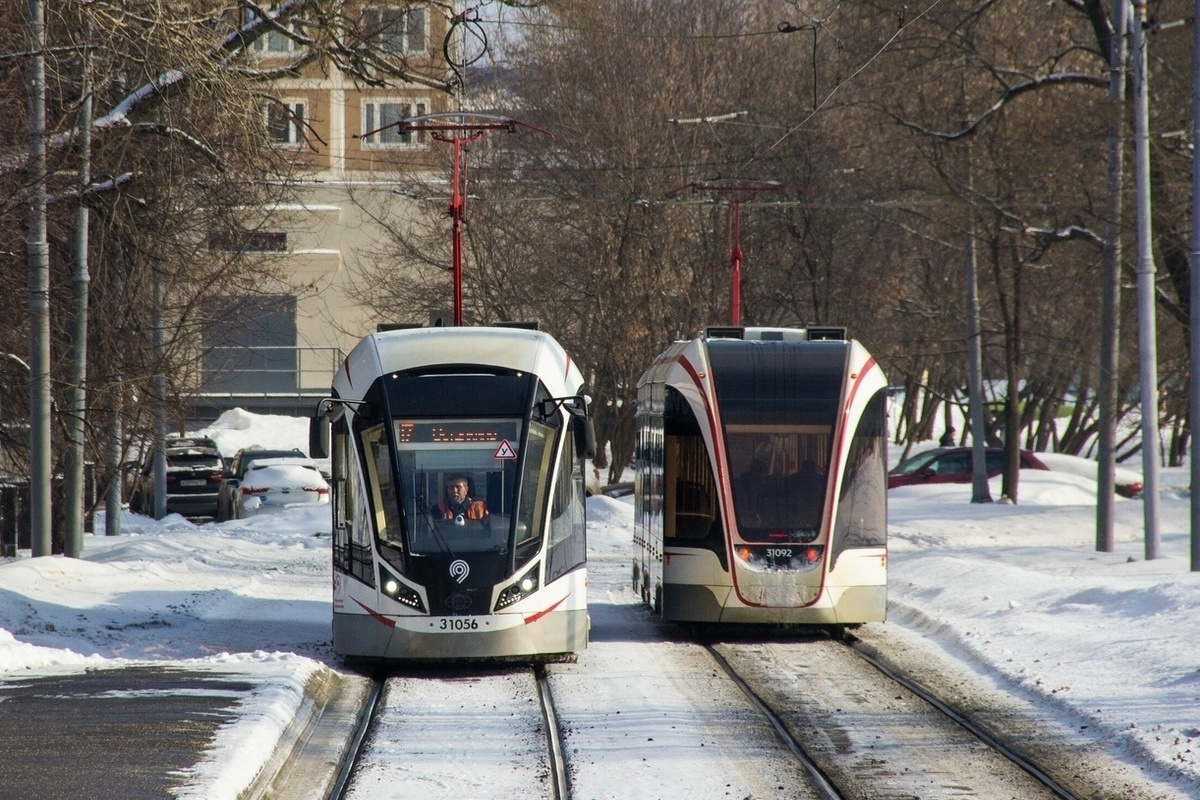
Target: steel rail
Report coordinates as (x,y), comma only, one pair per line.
(859,649)
(558,766)
(366,718)
(822,783)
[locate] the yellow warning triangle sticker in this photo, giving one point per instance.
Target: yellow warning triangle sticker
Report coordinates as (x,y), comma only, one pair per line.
(505,450)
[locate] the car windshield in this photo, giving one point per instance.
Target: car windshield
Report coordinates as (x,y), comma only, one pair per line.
(915,463)
(251,456)
(202,460)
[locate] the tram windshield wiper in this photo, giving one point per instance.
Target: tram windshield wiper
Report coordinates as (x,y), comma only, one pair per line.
(423,507)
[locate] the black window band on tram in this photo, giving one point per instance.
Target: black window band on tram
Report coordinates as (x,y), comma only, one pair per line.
(767,382)
(505,394)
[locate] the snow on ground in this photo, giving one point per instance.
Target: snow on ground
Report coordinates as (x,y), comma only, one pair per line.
(1015,592)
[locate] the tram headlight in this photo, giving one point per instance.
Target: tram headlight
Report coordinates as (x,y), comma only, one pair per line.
(526,585)
(392,587)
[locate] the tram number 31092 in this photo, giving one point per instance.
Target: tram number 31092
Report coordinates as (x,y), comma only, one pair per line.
(458,624)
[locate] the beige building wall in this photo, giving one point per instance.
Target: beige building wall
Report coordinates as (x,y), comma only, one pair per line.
(327,231)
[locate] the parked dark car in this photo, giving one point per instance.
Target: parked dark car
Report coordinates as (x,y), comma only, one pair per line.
(231,486)
(195,470)
(952,465)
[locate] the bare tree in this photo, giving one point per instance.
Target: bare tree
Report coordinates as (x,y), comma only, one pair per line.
(906,128)
(179,152)
(576,232)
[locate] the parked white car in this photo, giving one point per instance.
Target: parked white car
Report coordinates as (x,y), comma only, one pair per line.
(273,484)
(1126,482)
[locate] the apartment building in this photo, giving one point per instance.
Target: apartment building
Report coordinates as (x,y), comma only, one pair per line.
(331,126)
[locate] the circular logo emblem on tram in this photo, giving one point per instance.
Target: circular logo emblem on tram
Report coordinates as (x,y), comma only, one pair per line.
(459,602)
(459,570)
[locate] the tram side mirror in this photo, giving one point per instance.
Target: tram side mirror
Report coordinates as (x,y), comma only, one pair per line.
(318,430)
(585,437)
(318,437)
(580,423)
(575,406)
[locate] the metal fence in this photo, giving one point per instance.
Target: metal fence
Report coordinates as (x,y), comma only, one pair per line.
(15,525)
(269,369)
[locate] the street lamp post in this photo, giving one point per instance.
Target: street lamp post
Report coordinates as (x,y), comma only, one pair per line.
(1147,326)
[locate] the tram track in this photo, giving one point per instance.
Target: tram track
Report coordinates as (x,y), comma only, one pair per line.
(420,731)
(354,748)
(821,782)
(862,728)
(1047,745)
(964,720)
(767,716)
(554,745)
(645,703)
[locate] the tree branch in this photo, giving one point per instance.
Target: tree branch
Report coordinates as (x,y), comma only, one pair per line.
(1010,94)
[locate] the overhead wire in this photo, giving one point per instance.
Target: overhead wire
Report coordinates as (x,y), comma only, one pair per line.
(473,23)
(900,28)
(471,17)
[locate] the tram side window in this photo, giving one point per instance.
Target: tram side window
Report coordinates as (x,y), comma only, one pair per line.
(352,532)
(378,466)
(339,466)
(648,460)
(862,504)
(361,566)
(539,457)
(568,545)
(691,490)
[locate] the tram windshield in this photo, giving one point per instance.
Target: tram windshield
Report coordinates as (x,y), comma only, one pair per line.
(480,432)
(459,479)
(779,479)
(779,403)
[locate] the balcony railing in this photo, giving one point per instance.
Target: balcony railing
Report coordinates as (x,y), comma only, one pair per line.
(268,370)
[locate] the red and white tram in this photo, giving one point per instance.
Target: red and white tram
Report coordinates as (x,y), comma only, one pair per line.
(761,479)
(458,496)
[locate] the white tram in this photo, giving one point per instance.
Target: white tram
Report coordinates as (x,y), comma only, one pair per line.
(761,479)
(497,411)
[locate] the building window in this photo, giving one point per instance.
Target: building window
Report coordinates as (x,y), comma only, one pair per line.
(399,31)
(285,122)
(379,128)
(253,348)
(249,241)
(273,41)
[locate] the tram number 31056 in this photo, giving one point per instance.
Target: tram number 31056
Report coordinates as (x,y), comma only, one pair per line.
(458,624)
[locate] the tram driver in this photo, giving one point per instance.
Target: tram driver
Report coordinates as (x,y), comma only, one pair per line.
(457,505)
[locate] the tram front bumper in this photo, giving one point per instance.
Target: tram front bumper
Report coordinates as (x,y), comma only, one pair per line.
(449,638)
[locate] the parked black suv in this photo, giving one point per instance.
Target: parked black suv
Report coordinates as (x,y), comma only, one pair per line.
(195,470)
